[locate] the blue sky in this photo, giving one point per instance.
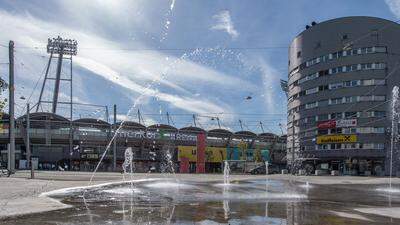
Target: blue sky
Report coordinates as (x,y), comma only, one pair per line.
(171,56)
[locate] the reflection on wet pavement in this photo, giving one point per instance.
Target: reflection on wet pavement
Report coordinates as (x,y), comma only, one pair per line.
(261,201)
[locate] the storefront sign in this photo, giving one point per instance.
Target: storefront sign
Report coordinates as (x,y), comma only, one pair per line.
(326,124)
(325,139)
(346,123)
(337,123)
(89,156)
(157,135)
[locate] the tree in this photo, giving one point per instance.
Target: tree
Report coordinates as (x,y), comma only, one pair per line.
(242,146)
(257,154)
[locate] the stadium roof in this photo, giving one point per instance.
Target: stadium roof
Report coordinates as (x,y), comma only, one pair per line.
(44,116)
(268,135)
(131,125)
(92,122)
(164,127)
(219,133)
(245,134)
(191,129)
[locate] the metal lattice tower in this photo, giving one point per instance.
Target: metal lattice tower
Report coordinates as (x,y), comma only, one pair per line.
(62,49)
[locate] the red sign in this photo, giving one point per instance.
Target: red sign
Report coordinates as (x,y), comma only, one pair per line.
(326,124)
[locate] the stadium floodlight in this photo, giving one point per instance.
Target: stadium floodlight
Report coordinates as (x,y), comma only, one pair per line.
(62,46)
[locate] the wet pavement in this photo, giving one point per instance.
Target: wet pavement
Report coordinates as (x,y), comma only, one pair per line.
(258,201)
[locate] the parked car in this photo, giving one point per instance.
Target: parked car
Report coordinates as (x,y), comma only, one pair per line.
(272,169)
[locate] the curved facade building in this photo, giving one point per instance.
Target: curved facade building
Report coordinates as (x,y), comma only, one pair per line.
(341,75)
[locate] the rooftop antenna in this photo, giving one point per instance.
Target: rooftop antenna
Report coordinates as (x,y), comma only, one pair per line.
(280,126)
(194,120)
(219,124)
(241,125)
(138,113)
(168,118)
(262,127)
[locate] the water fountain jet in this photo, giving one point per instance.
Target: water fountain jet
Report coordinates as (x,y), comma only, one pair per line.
(226,173)
(395,118)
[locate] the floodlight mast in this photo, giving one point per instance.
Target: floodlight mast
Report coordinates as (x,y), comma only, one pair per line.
(61,47)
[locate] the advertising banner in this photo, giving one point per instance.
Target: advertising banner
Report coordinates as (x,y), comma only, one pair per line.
(346,123)
(188,152)
(325,139)
(215,154)
(326,124)
(337,123)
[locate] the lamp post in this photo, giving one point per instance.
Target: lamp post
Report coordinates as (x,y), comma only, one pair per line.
(28,143)
(11,149)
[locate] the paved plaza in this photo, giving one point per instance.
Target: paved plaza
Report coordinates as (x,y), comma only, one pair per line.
(21,195)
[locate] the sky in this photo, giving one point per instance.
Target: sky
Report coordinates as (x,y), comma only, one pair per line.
(208,58)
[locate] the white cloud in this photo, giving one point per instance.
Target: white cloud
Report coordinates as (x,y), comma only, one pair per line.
(224,23)
(394,6)
(186,103)
(270,78)
(132,70)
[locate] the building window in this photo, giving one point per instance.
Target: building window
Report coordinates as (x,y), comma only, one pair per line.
(336,146)
(380,66)
(322,147)
(298,54)
(344,69)
(350,114)
(311,105)
(323,103)
(380,49)
(336,131)
(322,117)
(335,101)
(368,82)
(379,97)
(365,98)
(379,130)
(349,130)
(336,115)
(371,130)
(322,132)
(312,91)
(349,99)
(335,86)
(379,114)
